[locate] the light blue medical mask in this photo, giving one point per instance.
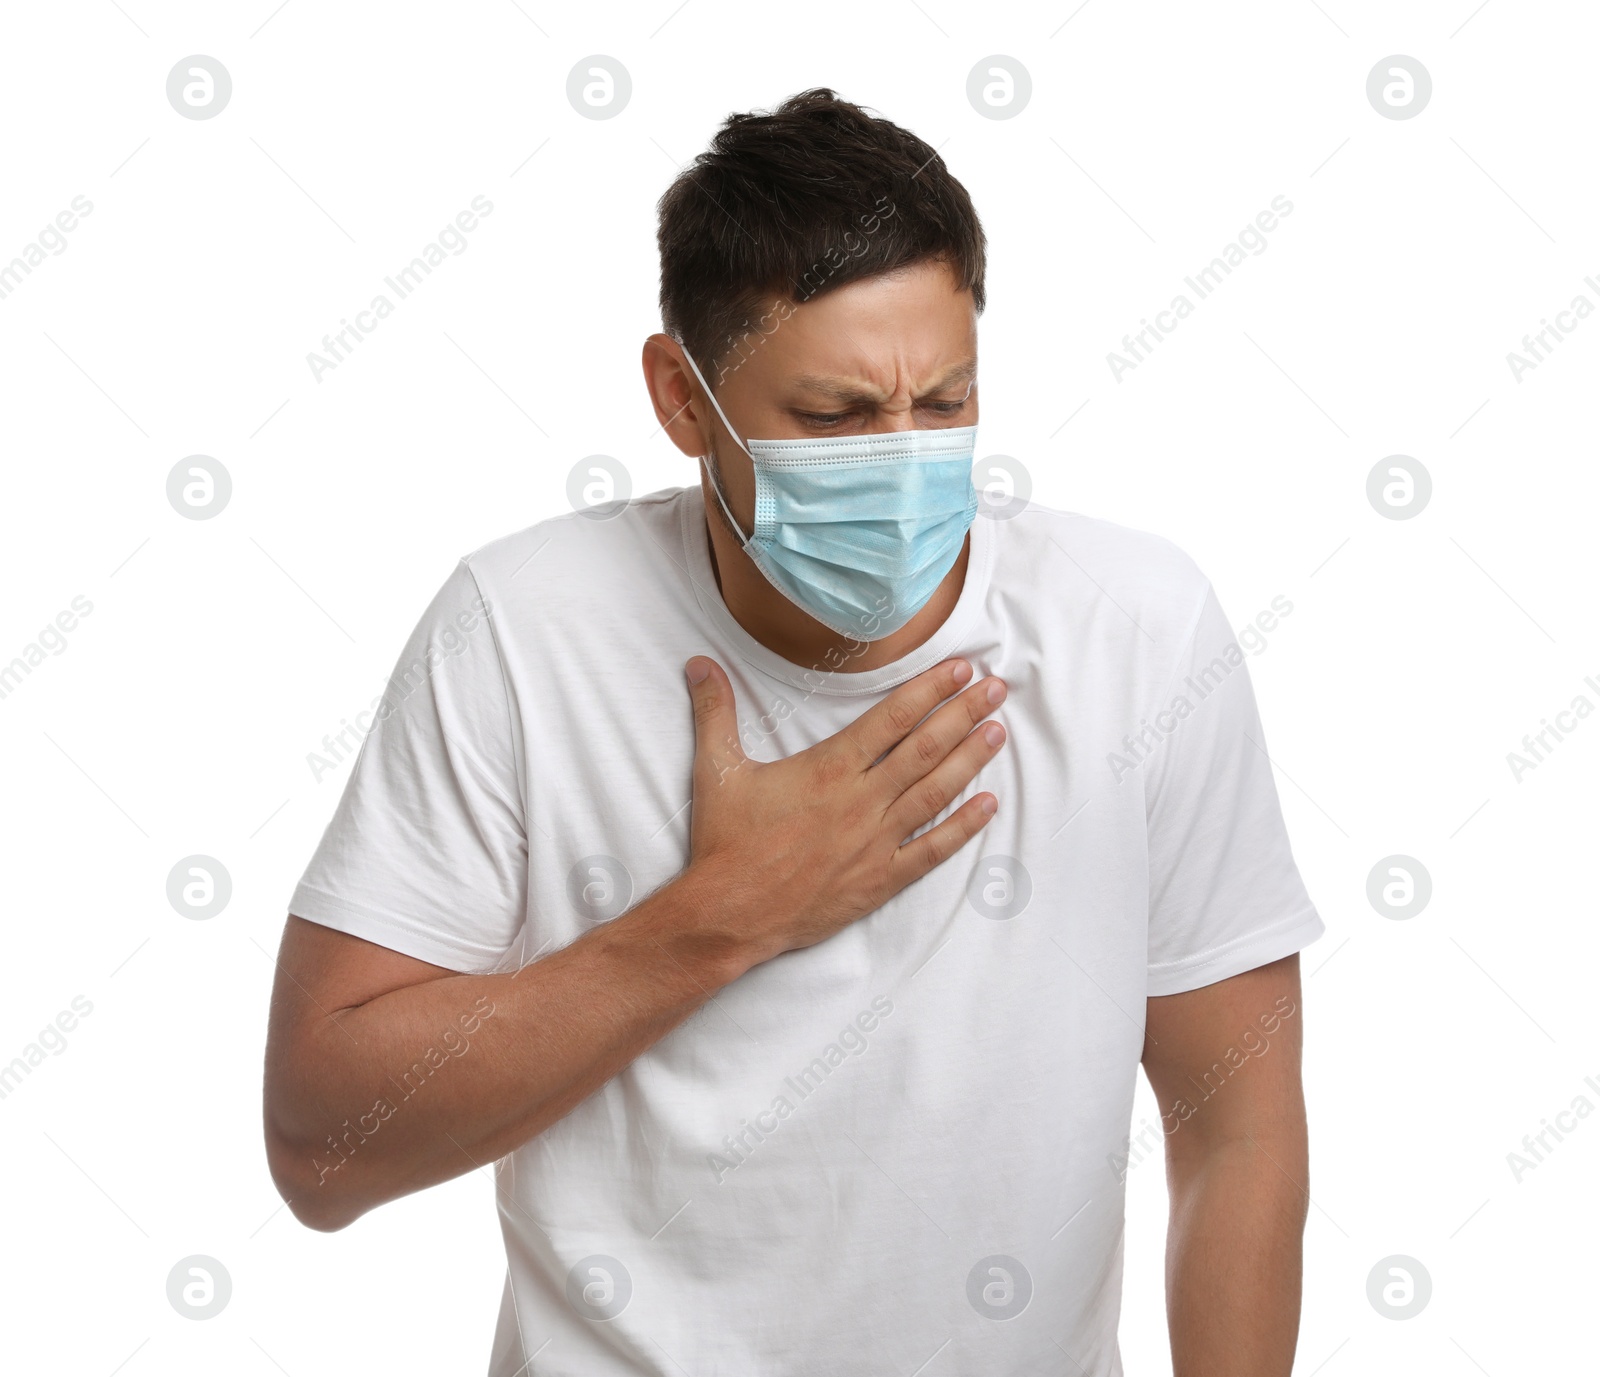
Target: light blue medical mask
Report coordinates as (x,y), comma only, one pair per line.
(858,530)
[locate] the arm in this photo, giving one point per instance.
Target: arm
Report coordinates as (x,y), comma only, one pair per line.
(783,854)
(1224,1062)
(386,1074)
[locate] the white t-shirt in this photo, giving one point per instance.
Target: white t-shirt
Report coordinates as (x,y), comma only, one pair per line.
(898,1150)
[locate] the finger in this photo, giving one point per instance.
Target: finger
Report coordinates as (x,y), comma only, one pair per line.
(717,749)
(888,723)
(937,735)
(917,857)
(929,796)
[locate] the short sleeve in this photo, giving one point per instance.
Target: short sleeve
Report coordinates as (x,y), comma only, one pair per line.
(1225,894)
(426,852)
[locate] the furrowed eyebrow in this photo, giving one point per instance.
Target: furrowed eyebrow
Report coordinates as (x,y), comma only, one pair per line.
(846,390)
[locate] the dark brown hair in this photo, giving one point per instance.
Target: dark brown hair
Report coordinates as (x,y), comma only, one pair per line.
(794,203)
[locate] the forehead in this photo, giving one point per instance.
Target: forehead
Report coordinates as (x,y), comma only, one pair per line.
(901,331)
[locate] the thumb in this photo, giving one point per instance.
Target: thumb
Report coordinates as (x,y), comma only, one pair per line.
(716,727)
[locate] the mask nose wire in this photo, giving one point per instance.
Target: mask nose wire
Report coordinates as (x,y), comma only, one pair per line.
(716,487)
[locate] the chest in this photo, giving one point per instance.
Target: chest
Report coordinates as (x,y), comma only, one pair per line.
(609,804)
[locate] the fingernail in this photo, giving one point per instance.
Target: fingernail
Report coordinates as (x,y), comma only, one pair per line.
(997,691)
(697,669)
(987,807)
(994,733)
(963,671)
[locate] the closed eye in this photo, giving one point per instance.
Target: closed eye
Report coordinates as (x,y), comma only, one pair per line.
(824,420)
(833,420)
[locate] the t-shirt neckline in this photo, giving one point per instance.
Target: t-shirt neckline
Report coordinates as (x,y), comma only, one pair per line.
(837,682)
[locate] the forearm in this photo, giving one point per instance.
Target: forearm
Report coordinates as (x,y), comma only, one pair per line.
(1234,1255)
(424,1083)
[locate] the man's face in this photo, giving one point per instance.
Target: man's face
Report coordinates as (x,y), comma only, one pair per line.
(895,352)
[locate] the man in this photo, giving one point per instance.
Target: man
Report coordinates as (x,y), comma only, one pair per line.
(797,1051)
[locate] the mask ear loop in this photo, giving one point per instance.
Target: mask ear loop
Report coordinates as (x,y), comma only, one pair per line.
(715,486)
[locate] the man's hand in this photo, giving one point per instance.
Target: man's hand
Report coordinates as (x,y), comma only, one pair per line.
(1224,1062)
(801,847)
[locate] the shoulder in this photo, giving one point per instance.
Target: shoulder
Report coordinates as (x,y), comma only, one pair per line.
(558,581)
(1102,571)
(586,543)
(575,572)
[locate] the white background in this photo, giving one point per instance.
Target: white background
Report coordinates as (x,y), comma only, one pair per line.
(178,719)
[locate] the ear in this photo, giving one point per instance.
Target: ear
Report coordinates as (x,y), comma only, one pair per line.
(680,405)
